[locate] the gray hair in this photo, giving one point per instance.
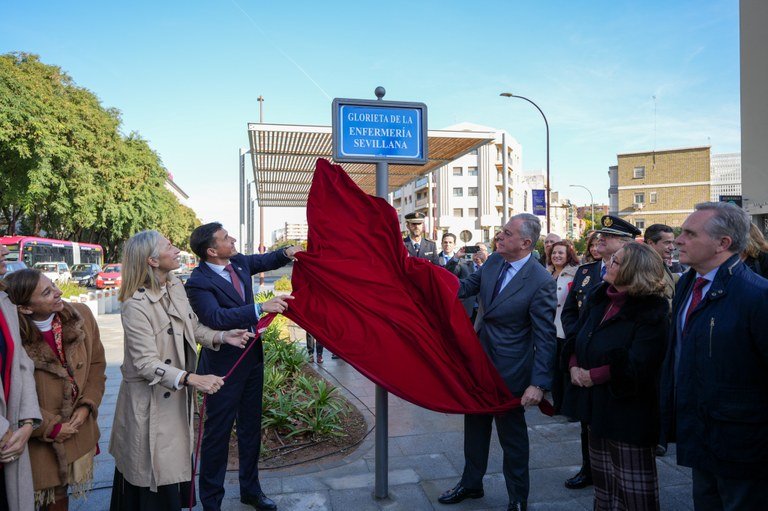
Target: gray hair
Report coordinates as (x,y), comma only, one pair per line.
(530,227)
(728,220)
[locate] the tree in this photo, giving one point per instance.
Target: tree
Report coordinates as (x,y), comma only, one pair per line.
(66,169)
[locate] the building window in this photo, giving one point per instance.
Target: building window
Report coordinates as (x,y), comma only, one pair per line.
(458,192)
(638,173)
(458,212)
(653,197)
(472,212)
(640,223)
(458,171)
(472,171)
(472,191)
(639,198)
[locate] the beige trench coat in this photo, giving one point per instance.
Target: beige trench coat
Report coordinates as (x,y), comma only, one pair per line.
(152,437)
(23,399)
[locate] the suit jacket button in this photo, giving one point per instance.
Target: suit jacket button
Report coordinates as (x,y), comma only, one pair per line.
(167,395)
(168,361)
(170,331)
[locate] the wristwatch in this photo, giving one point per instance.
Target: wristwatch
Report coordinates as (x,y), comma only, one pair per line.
(31,422)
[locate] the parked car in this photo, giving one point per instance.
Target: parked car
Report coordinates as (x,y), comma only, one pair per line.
(57,271)
(12,266)
(109,276)
(84,274)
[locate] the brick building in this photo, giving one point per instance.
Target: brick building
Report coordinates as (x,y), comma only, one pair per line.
(660,186)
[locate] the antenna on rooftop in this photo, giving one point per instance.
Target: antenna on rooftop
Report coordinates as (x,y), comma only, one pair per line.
(654,132)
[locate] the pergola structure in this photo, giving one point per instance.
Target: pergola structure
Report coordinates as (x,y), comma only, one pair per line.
(283,158)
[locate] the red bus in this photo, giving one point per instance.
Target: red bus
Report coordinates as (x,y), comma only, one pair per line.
(33,250)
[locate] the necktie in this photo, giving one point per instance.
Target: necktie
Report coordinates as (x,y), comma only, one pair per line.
(497,289)
(235,280)
(696,297)
(603,270)
(416,248)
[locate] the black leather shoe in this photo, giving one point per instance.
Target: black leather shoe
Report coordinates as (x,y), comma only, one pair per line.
(660,450)
(259,501)
(459,493)
(517,506)
(579,481)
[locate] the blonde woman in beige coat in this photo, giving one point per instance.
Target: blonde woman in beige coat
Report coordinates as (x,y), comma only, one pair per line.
(152,436)
(19,413)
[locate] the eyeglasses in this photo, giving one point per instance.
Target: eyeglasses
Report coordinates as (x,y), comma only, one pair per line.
(615,261)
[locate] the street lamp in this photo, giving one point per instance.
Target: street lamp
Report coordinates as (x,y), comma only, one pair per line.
(591,200)
(510,95)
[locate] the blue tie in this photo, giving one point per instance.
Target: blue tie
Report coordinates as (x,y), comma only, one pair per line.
(504,270)
(602,271)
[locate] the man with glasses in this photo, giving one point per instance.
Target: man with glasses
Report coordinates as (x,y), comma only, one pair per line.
(614,233)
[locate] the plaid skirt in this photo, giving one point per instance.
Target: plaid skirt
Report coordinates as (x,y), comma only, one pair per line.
(624,475)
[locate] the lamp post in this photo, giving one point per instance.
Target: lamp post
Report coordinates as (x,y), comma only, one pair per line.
(591,200)
(510,95)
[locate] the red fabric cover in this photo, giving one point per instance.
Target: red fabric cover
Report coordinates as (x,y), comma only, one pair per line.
(395,318)
(5,364)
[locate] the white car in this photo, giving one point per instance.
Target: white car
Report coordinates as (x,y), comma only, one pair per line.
(58,272)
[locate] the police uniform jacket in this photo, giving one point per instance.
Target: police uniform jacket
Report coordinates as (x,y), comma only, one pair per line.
(427,250)
(152,438)
(715,405)
(586,279)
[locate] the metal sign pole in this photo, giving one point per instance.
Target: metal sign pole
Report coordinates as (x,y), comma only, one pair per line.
(381,490)
(382,406)
(377,131)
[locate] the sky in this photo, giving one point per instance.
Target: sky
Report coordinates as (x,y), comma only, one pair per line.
(611,77)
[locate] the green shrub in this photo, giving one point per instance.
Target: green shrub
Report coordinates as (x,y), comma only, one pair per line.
(295,404)
(283,284)
(71,289)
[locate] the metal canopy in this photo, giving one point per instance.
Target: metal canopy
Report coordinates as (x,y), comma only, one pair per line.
(284,156)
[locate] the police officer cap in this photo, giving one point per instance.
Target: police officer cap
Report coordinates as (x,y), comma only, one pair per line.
(618,227)
(415,218)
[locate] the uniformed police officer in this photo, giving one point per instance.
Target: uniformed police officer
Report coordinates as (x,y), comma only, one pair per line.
(416,244)
(614,233)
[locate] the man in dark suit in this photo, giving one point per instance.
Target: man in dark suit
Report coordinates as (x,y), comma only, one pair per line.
(416,244)
(614,233)
(714,381)
(515,325)
(220,291)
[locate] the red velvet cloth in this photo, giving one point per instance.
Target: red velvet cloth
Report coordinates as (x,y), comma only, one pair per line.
(7,362)
(396,319)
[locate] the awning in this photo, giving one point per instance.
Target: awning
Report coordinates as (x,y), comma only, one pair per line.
(284,156)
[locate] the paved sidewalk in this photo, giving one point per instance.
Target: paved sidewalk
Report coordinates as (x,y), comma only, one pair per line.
(425,458)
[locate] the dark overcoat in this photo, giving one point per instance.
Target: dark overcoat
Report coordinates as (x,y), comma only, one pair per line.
(715,405)
(632,343)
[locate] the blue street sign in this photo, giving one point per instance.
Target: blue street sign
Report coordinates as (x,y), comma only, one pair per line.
(379,131)
(539,202)
(733,199)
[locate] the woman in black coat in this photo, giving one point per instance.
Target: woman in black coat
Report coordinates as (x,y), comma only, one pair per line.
(614,362)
